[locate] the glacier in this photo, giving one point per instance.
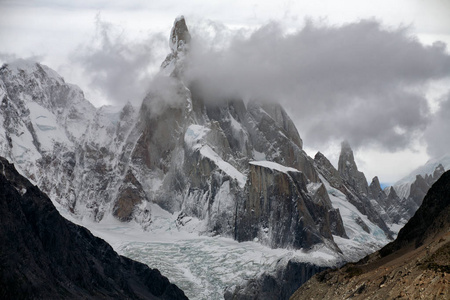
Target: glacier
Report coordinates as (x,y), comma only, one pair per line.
(202,266)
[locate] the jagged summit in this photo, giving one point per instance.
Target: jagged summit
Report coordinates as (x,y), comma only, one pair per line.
(178,42)
(179,35)
(346,159)
(349,171)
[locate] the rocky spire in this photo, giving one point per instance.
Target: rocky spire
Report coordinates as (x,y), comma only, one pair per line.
(375,191)
(349,171)
(179,35)
(178,42)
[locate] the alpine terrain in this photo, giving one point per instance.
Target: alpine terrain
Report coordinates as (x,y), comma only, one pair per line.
(185,163)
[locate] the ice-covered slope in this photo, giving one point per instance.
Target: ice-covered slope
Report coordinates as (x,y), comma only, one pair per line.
(59,140)
(203,267)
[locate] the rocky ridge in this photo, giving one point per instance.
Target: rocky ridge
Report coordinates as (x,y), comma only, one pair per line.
(413,188)
(414,266)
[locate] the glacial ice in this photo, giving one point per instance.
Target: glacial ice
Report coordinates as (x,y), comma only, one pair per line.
(202,266)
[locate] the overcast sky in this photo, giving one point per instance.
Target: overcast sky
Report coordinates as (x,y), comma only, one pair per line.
(376,73)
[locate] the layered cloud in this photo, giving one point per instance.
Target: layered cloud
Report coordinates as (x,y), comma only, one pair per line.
(358,81)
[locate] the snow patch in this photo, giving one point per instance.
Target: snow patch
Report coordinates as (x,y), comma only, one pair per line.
(274,166)
(208,152)
(46,127)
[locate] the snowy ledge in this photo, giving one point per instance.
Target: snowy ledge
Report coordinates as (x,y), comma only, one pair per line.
(274,166)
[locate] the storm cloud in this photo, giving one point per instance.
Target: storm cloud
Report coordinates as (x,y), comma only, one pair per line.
(360,81)
(117,66)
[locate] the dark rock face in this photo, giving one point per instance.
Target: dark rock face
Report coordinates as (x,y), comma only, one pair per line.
(44,256)
(280,212)
(279,285)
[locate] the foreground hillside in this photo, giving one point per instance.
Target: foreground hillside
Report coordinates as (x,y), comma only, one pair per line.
(44,256)
(415,266)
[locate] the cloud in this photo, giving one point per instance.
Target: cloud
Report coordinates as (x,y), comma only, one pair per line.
(359,81)
(437,135)
(164,92)
(10,57)
(120,68)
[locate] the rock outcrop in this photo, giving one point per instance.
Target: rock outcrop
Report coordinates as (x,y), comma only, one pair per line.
(281,211)
(44,256)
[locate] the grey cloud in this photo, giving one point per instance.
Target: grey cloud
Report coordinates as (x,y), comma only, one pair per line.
(117,66)
(358,81)
(164,92)
(437,135)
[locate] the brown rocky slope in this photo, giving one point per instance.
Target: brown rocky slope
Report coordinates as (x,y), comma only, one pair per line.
(414,266)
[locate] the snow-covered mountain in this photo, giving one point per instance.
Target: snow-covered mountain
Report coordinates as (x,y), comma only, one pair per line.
(59,140)
(224,167)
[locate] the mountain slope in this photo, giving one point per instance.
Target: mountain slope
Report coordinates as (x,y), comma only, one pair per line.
(42,255)
(414,266)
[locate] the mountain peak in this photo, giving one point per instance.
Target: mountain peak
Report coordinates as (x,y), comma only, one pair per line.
(179,35)
(178,42)
(349,171)
(346,162)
